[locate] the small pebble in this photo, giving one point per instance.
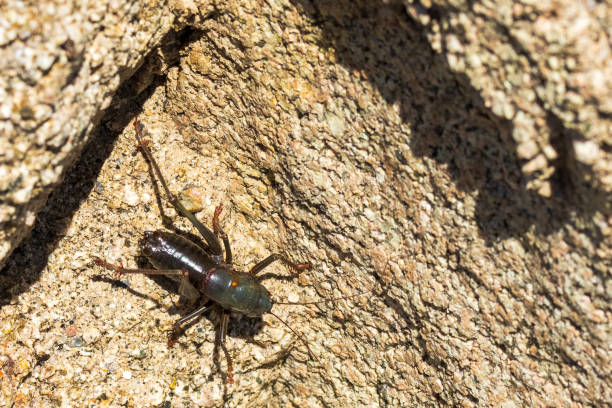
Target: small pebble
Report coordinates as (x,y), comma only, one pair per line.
(130,197)
(90,335)
(193,198)
(71,331)
(77,342)
(98,187)
(336,125)
(586,151)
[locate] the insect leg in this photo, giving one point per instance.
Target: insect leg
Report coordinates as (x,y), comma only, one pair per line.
(221,342)
(274,257)
(193,315)
(222,234)
(120,270)
(177,329)
(213,243)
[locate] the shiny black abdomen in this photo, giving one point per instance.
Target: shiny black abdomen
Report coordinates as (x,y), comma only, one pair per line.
(236,291)
(166,250)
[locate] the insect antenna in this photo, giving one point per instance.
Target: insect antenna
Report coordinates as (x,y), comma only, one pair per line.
(298,335)
(363,292)
(313,303)
(326,300)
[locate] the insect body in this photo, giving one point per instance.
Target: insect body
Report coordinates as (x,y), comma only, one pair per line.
(234,291)
(204,270)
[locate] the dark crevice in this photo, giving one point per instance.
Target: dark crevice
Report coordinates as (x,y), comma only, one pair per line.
(30,258)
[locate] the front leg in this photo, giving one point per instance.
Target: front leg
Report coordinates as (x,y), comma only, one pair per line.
(275,257)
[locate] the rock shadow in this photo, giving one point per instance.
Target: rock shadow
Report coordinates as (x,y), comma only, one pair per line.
(24,266)
(450,122)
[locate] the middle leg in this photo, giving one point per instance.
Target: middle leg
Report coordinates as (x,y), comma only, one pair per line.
(177,328)
(225,315)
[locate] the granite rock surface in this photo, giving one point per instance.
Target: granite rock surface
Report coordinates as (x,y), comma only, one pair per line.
(453,157)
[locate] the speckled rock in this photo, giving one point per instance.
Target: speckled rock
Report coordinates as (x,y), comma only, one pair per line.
(349,134)
(544,66)
(61,66)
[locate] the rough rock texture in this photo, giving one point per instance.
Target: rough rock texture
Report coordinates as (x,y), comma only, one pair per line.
(448,155)
(545,66)
(61,65)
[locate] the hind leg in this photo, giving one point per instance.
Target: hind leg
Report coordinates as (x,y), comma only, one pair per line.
(213,243)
